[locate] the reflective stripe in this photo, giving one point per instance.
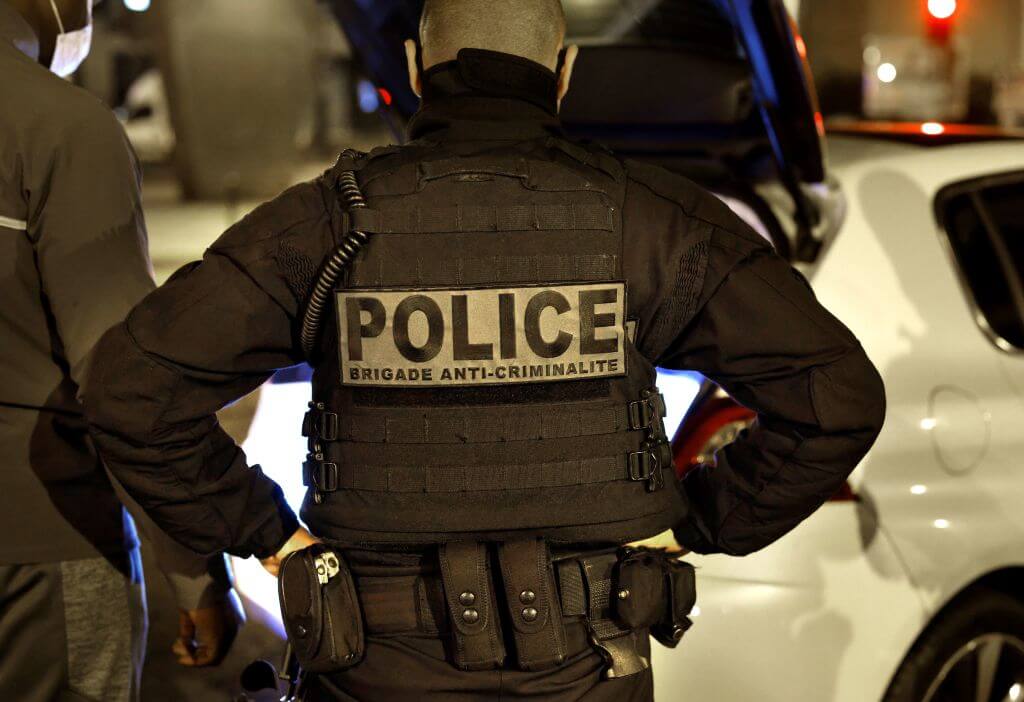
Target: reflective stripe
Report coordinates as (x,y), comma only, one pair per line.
(19,224)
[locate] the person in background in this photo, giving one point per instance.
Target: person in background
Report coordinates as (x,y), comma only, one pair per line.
(73,261)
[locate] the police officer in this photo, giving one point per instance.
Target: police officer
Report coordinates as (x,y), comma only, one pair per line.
(484,308)
(73,261)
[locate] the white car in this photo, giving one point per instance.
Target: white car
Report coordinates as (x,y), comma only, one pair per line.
(910,585)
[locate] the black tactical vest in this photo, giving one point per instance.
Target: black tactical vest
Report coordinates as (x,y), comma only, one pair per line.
(476,378)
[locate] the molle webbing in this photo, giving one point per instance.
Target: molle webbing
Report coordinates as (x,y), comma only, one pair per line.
(487,478)
(411,269)
(469,218)
(481,424)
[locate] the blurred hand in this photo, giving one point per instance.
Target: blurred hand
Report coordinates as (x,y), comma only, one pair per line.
(299,540)
(665,541)
(205,635)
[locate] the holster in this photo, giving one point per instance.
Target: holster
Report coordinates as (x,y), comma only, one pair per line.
(321,610)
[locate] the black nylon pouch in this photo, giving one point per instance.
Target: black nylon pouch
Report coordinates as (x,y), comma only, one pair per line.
(321,611)
(681,579)
(640,599)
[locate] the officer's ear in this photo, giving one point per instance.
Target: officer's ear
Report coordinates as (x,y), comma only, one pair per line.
(415,77)
(565,76)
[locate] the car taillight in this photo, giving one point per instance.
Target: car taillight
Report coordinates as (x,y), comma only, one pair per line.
(716,421)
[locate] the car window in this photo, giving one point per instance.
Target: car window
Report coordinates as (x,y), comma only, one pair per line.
(984,220)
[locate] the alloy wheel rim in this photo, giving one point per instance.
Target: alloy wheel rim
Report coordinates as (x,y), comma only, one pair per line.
(988,668)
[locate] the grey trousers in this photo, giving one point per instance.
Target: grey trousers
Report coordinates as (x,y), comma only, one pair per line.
(73,631)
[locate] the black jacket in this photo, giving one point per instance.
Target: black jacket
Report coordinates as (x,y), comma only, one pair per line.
(713,296)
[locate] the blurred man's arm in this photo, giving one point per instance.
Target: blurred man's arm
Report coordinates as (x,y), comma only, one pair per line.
(212,334)
(91,248)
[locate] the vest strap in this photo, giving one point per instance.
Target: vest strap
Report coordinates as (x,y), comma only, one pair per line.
(478,425)
(499,478)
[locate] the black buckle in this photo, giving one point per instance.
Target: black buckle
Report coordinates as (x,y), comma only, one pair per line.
(321,476)
(320,424)
(646,465)
(641,414)
(328,426)
(641,465)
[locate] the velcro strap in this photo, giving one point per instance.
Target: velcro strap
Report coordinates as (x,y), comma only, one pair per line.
(469,593)
(483,218)
(520,476)
(482,425)
(533,602)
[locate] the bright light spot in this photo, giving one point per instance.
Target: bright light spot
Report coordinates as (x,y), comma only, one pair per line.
(679,388)
(941,523)
(872,55)
(932,128)
(366,95)
(941,9)
(385,95)
(801,46)
(929,423)
(887,73)
(137,5)
(695,612)
(1015,691)
(918,489)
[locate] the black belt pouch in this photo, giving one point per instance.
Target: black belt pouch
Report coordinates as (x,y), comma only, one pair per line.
(321,610)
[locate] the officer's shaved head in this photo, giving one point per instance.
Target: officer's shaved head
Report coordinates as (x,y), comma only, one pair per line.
(533,29)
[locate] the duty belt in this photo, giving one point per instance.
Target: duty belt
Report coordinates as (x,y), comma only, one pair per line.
(610,598)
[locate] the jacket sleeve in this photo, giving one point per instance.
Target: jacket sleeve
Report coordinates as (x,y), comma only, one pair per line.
(760,333)
(91,251)
(213,333)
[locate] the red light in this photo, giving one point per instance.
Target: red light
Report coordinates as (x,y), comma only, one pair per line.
(385,95)
(819,123)
(801,47)
(942,9)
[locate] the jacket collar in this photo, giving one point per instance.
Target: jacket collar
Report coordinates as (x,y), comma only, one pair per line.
(15,30)
(486,95)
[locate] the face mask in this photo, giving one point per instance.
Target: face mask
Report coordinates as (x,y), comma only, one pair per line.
(72,47)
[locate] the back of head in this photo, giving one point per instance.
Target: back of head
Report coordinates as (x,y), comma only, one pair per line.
(533,29)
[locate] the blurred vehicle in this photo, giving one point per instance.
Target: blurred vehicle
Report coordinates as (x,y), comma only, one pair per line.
(908,584)
(147,118)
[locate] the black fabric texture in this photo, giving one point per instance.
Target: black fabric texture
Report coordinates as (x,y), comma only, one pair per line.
(707,292)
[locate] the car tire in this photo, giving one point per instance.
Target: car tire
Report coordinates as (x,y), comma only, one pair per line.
(959,648)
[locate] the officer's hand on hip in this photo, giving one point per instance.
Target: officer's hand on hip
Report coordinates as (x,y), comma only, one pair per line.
(205,635)
(299,540)
(665,541)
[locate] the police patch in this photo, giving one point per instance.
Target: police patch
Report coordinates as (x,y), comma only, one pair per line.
(482,336)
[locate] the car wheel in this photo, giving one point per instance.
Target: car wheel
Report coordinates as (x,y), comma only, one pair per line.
(972,653)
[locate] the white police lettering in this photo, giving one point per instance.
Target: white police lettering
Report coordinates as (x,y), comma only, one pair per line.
(482,336)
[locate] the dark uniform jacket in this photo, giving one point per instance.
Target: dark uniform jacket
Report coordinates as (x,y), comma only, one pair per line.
(709,293)
(73,261)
